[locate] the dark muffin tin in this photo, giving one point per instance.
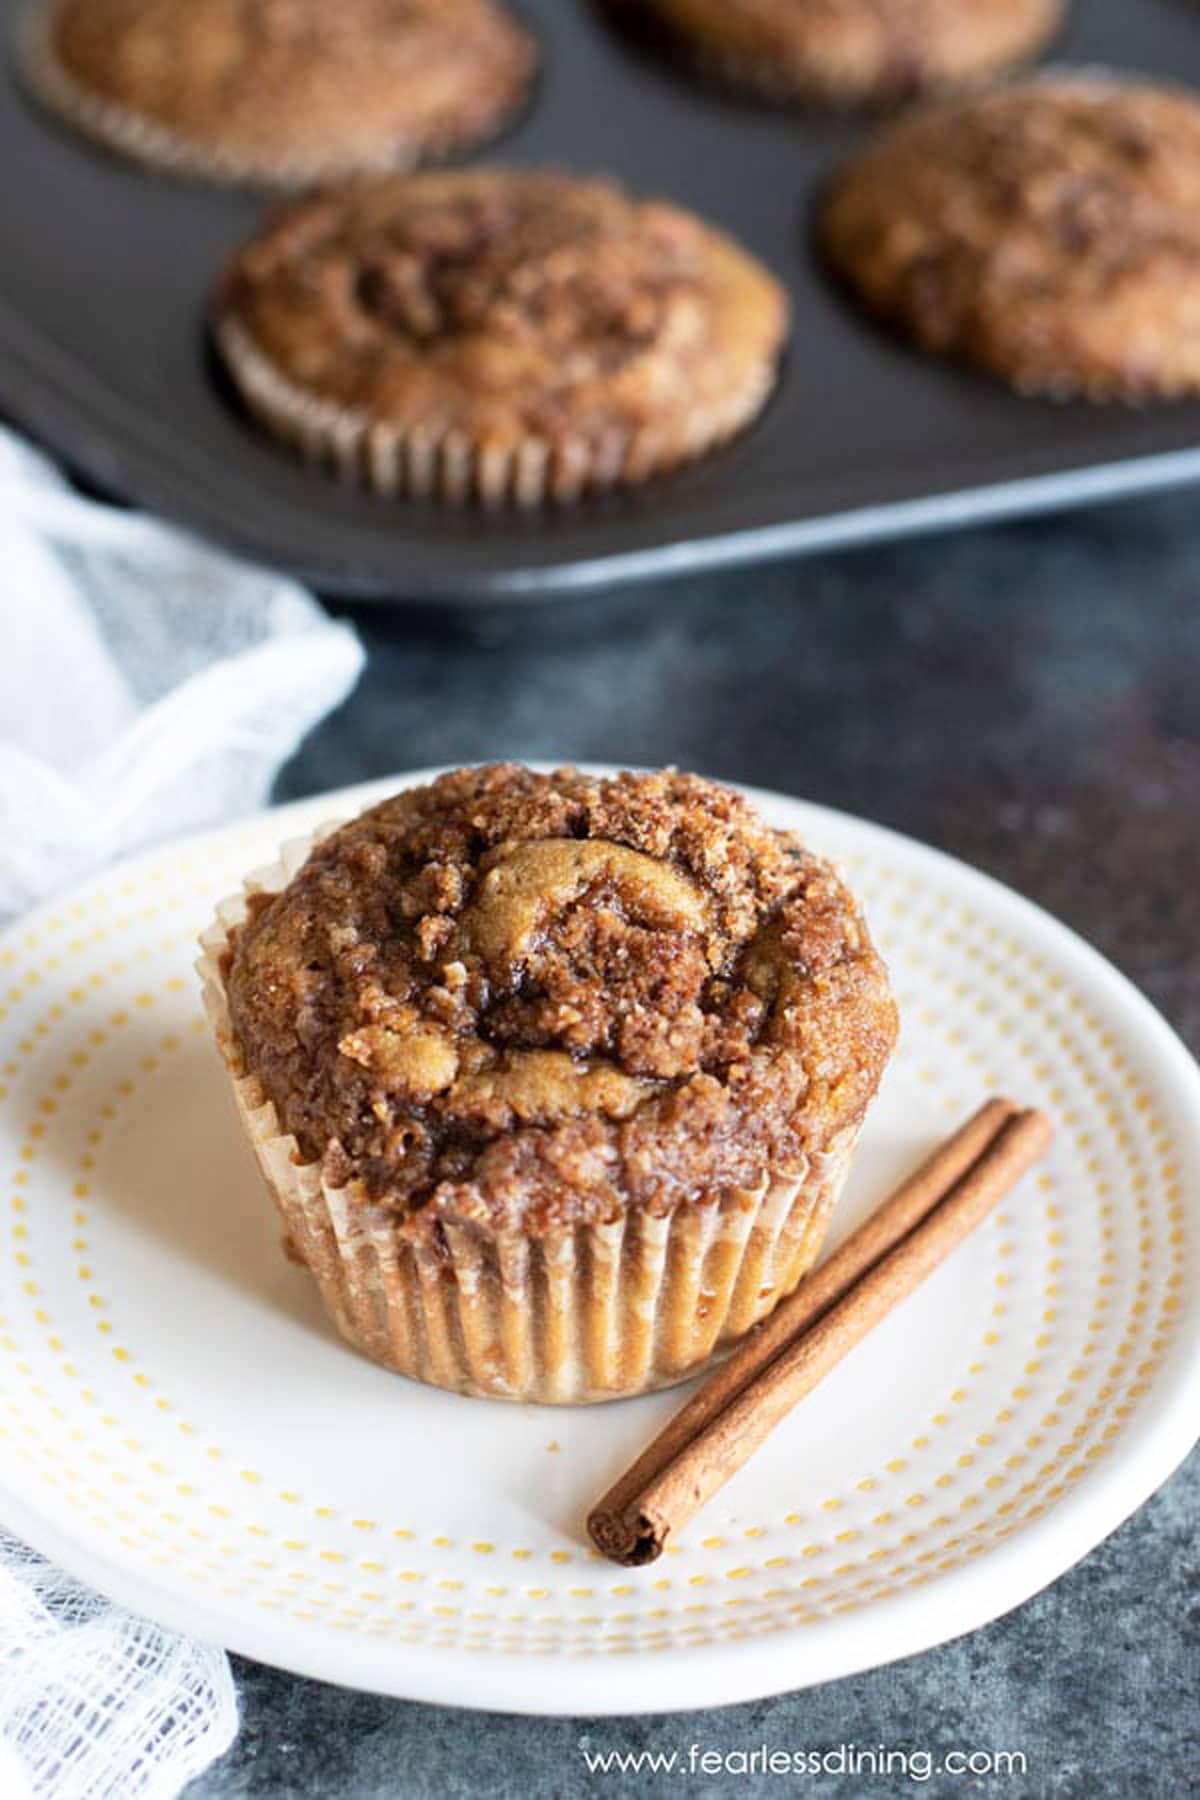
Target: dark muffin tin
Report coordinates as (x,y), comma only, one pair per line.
(105,271)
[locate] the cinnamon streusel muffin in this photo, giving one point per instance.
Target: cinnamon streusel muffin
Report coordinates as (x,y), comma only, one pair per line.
(843,52)
(497,334)
(552,1078)
(1048,231)
(280,90)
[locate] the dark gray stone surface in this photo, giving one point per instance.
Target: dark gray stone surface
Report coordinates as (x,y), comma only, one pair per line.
(1029,699)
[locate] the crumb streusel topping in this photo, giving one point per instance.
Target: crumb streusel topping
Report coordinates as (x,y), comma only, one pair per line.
(541,999)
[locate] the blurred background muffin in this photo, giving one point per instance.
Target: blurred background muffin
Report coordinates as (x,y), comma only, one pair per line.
(849,51)
(498,334)
(1048,232)
(280,90)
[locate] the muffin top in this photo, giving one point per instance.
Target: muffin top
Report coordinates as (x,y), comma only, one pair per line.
(504,303)
(299,88)
(538,1000)
(1049,231)
(852,49)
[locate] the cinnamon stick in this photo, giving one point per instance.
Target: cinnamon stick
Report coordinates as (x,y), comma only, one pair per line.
(877,1267)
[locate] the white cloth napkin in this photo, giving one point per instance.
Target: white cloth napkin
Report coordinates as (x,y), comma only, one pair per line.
(148,685)
(96,1704)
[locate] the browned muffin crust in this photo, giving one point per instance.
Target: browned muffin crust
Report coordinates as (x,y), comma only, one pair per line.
(1048,232)
(282,89)
(506,309)
(846,51)
(541,999)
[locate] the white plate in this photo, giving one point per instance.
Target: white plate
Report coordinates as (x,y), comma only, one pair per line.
(180,1425)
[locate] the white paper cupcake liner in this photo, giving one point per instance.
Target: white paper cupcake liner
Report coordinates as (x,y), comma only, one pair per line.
(583,1313)
(421,463)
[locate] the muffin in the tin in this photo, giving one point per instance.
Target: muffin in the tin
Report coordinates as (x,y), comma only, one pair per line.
(553,1078)
(498,334)
(850,52)
(280,91)
(1047,231)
